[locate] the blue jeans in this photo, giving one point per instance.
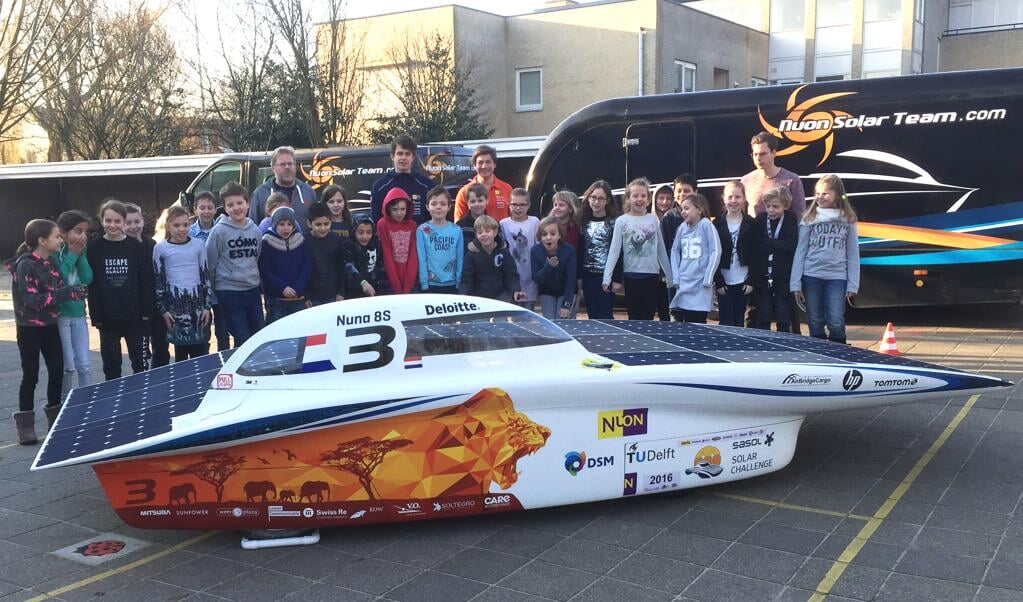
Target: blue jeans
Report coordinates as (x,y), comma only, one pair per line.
(242,311)
(279,308)
(74,340)
(825,305)
(599,305)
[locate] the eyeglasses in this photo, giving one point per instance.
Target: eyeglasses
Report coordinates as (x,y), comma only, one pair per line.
(284,164)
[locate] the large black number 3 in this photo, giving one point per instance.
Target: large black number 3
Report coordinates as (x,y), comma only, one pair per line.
(382,347)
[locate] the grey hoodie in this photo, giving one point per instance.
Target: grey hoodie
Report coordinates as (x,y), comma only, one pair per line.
(829,249)
(695,256)
(232,253)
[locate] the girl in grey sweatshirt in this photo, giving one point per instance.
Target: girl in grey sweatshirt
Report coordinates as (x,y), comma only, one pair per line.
(826,267)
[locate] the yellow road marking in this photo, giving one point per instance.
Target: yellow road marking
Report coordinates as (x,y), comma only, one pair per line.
(123,569)
(756,500)
(868,530)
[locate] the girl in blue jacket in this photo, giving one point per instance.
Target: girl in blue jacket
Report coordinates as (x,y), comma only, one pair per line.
(553,265)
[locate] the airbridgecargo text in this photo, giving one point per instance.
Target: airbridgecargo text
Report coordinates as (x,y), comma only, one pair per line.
(897,118)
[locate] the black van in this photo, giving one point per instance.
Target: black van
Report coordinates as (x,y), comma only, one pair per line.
(353,168)
(928,162)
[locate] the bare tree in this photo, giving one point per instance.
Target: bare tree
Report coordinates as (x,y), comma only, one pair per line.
(294,25)
(31,57)
(438,100)
(340,77)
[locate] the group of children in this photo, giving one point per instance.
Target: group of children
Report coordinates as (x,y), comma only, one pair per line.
(228,270)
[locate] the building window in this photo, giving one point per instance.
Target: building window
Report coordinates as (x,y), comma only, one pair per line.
(529,89)
(829,78)
(757,82)
(995,14)
(786,82)
(685,76)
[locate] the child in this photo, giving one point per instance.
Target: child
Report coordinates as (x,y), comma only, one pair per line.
(826,266)
(38,289)
(664,201)
(232,253)
(489,269)
(284,266)
(74,328)
(519,232)
(154,339)
(740,243)
(397,232)
(779,230)
(183,293)
(366,276)
(340,218)
(553,270)
(564,210)
(695,256)
(477,207)
(121,297)
(205,211)
(683,186)
(328,254)
(275,200)
(439,246)
(637,239)
(596,227)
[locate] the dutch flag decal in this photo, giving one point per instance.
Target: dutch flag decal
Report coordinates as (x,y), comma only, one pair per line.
(316,358)
(413,361)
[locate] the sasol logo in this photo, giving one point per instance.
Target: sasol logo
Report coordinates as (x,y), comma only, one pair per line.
(634,455)
(575,462)
(852,380)
(621,423)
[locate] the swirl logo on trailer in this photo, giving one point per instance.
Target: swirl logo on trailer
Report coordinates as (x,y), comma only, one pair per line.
(804,125)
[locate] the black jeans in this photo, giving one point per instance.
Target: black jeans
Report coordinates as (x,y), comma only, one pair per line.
(689,315)
(110,335)
(155,340)
(33,340)
(184,352)
(775,303)
(641,297)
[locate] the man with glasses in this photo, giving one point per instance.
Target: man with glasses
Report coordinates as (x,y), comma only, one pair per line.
(767,175)
(301,195)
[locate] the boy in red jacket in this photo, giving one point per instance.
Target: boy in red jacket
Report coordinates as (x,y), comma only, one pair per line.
(397,233)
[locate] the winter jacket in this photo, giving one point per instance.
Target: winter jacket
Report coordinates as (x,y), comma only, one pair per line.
(415,185)
(489,274)
(74,269)
(779,249)
(398,243)
(284,263)
(748,244)
(329,255)
(232,254)
(122,288)
(554,281)
(38,290)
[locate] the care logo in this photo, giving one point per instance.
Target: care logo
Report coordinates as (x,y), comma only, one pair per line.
(805,124)
(621,423)
(322,170)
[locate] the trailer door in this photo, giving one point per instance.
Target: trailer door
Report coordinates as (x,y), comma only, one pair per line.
(658,151)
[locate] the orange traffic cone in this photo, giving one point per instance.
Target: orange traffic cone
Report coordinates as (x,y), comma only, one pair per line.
(888,345)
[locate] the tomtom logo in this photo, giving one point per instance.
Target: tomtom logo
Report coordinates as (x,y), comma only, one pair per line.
(895,382)
(852,380)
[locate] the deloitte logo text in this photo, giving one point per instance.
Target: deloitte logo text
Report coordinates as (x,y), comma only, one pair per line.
(575,462)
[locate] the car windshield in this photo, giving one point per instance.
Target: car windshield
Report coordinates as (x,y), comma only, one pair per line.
(274,358)
(490,331)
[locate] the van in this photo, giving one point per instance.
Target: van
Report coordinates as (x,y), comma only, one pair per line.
(352,168)
(927,161)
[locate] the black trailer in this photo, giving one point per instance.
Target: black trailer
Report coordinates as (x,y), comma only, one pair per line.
(926,160)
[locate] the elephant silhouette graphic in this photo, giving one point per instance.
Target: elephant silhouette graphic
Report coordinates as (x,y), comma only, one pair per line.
(286,495)
(317,488)
(260,489)
(179,494)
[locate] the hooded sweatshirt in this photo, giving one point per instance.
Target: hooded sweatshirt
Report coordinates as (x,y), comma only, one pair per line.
(232,253)
(122,288)
(366,263)
(695,256)
(829,249)
(38,289)
(415,186)
(398,242)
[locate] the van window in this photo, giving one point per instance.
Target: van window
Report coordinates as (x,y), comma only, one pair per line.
(221,174)
(492,331)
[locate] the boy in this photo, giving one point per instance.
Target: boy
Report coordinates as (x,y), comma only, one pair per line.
(284,266)
(477,206)
(275,200)
(397,233)
(232,252)
(205,211)
(519,232)
(365,265)
(328,254)
(683,186)
(439,246)
(780,229)
(489,269)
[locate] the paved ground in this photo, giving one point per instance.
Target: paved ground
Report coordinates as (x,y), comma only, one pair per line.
(911,502)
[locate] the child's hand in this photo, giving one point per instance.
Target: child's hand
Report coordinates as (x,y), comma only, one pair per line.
(77,247)
(168,319)
(721,291)
(368,289)
(799,296)
(207,316)
(308,303)
(563,312)
(616,287)
(339,297)
(553,261)
(289,292)
(747,289)
(79,292)
(519,296)
(431,276)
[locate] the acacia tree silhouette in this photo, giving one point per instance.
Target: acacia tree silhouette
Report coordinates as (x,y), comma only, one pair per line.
(361,457)
(215,469)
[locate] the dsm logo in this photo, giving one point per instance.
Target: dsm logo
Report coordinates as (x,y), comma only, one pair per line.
(621,423)
(575,462)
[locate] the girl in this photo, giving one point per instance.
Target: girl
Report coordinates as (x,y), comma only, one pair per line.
(183,290)
(73,327)
(740,243)
(826,267)
(596,227)
(695,256)
(154,338)
(553,267)
(637,239)
(38,289)
(340,217)
(121,294)
(564,211)
(664,200)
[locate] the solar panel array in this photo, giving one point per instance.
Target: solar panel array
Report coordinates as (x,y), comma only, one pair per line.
(124,410)
(648,343)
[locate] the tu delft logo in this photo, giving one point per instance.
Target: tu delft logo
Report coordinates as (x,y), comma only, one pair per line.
(852,380)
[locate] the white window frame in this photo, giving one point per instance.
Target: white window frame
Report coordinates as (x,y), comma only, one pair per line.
(686,66)
(757,82)
(519,107)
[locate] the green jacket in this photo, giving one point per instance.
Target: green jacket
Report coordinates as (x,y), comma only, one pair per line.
(75,270)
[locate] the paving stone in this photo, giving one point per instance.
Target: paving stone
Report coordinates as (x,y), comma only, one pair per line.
(942,565)
(561,520)
(585,555)
(372,576)
(618,533)
(716,586)
(824,499)
(548,580)
(687,547)
(481,565)
(610,590)
(259,585)
(800,519)
(362,541)
(856,582)
(1008,575)
(712,524)
(987,523)
(780,537)
(14,523)
(145,589)
(655,510)
(12,552)
(963,543)
(759,563)
(202,573)
(740,508)
(422,552)
(873,554)
(521,542)
(322,592)
(39,569)
(971,499)
(312,562)
(429,586)
(1011,550)
(895,533)
(465,531)
(664,574)
(503,594)
(912,588)
(994,594)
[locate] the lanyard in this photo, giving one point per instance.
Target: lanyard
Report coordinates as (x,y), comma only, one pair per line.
(773,236)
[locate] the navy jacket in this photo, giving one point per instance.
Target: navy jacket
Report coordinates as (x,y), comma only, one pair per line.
(415,184)
(555,281)
(783,247)
(492,275)
(284,263)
